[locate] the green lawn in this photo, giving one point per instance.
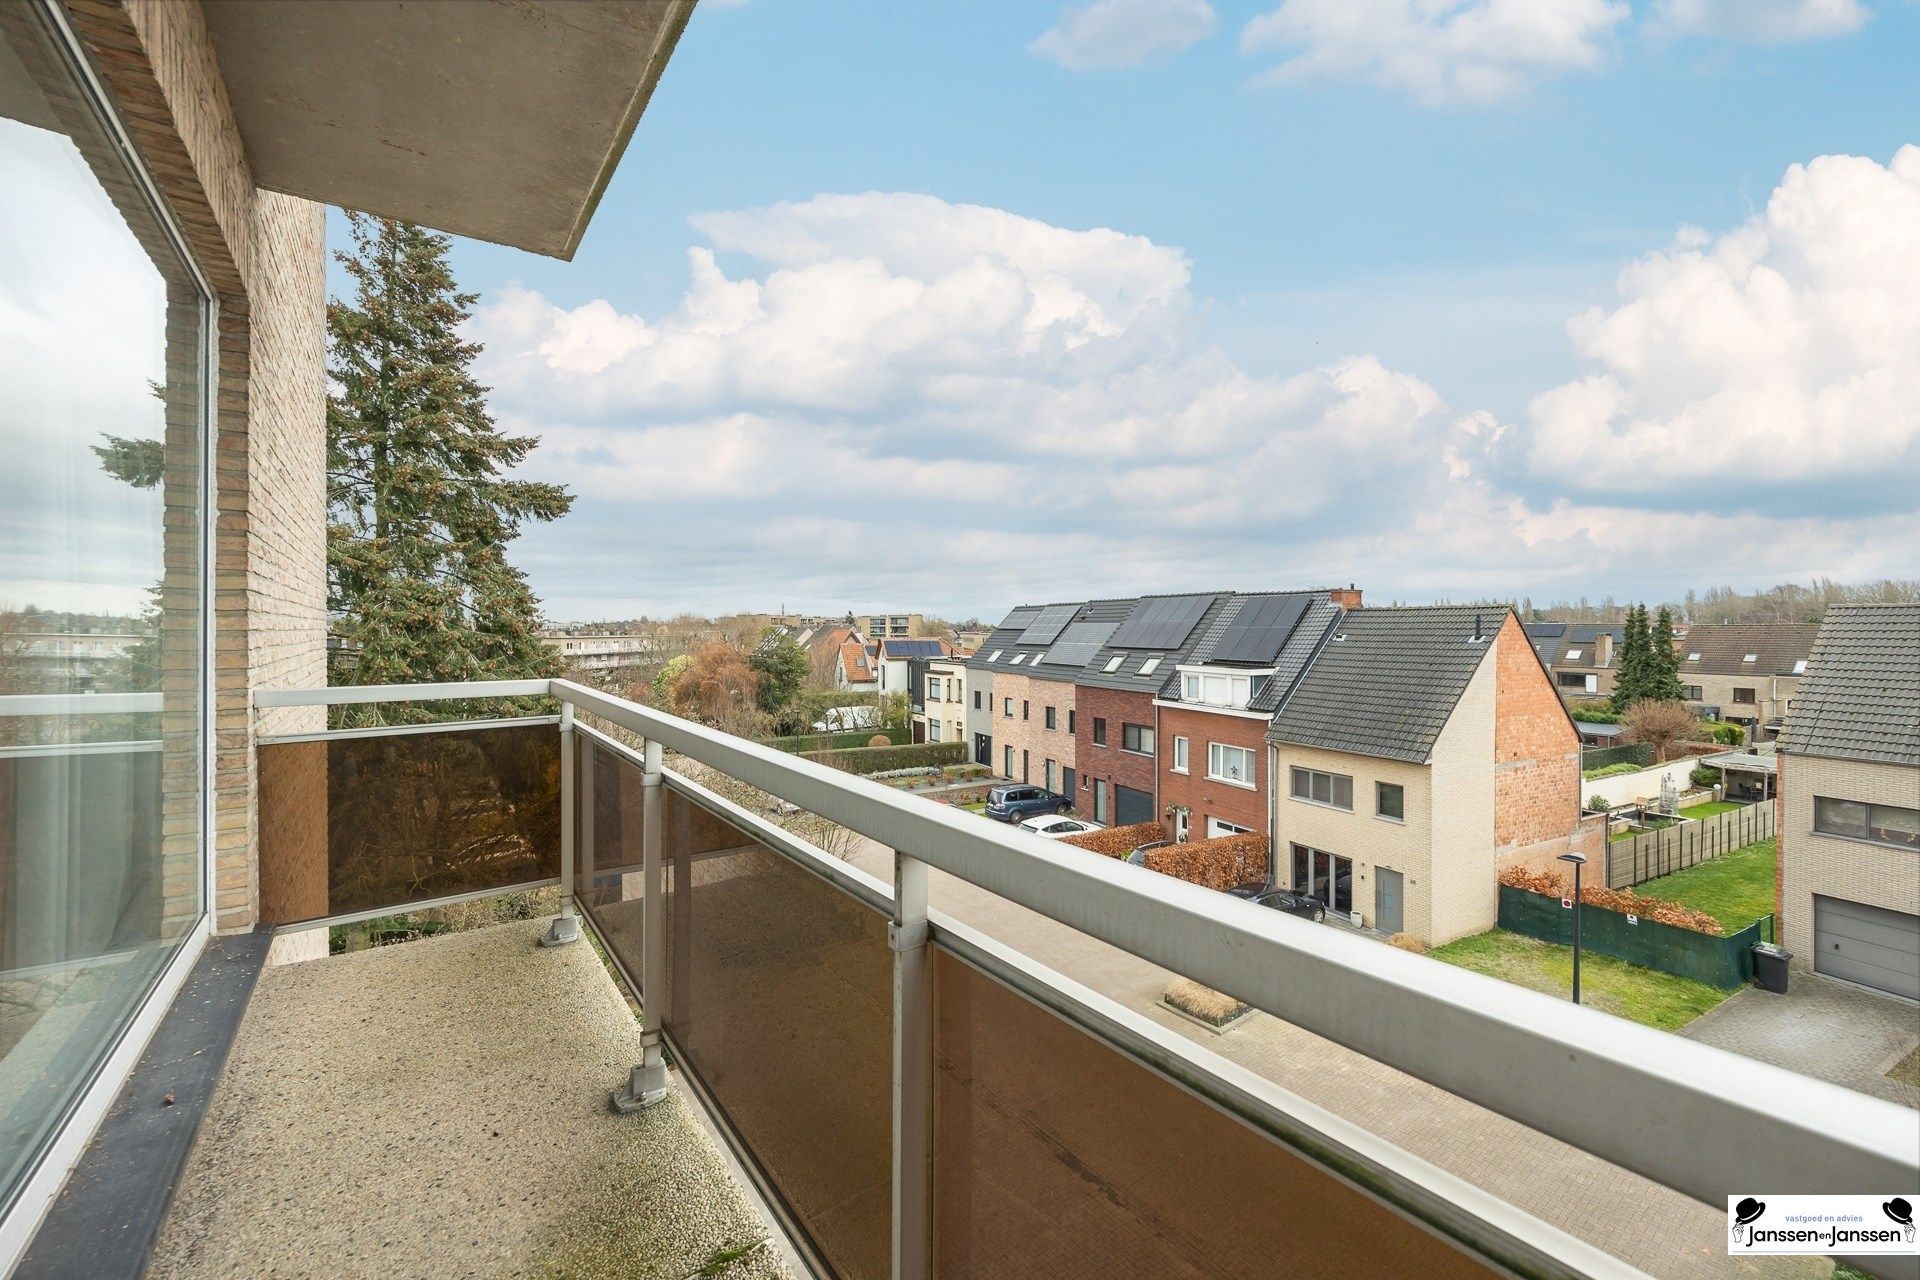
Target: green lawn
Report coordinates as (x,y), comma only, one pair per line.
(1709,808)
(1645,995)
(1736,889)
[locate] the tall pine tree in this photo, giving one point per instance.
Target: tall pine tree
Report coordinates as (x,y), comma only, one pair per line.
(1632,677)
(1663,662)
(420,511)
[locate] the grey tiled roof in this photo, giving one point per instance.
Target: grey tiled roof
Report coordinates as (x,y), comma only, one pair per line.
(1388,680)
(1554,641)
(1295,653)
(1127,674)
(1723,650)
(1860,699)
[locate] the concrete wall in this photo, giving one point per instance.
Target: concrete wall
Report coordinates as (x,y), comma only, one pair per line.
(1626,788)
(1811,863)
(1465,897)
(264,255)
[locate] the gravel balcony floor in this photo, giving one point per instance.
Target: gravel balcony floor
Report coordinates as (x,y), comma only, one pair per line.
(439,1108)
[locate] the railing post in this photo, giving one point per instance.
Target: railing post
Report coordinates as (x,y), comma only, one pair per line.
(912,1069)
(647,1082)
(566,926)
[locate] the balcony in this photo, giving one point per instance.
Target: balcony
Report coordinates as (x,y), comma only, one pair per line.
(926,1045)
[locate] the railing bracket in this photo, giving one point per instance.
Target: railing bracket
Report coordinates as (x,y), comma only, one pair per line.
(646,1085)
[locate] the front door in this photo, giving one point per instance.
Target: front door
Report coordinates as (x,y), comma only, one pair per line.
(1389,901)
(983,749)
(1180,826)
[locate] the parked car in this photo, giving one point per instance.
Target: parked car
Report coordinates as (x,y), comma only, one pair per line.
(1138,857)
(1058,826)
(1013,803)
(1287,900)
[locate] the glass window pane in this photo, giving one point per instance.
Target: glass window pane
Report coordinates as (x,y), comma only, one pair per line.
(1343,790)
(101,366)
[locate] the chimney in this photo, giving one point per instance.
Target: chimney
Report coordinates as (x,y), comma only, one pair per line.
(1347,597)
(1478,633)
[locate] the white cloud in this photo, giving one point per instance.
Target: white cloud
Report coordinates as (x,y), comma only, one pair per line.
(1109,34)
(1782,357)
(1439,51)
(1768,21)
(861,395)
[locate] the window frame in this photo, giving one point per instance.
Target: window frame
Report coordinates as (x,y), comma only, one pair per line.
(1140,733)
(1864,835)
(1380,790)
(1099,731)
(1182,754)
(1333,789)
(1253,765)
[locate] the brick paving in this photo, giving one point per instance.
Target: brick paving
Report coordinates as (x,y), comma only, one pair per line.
(1649,1226)
(1819,1028)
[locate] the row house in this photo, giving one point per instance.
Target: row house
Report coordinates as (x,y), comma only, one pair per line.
(1582,657)
(1397,759)
(1745,673)
(891,657)
(938,697)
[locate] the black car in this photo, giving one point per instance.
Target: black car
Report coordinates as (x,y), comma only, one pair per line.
(1287,900)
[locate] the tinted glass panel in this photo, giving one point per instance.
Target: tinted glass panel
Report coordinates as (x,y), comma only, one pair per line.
(781,1001)
(102,363)
(382,820)
(1057,1155)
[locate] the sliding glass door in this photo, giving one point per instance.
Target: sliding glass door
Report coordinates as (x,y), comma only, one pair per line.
(103,359)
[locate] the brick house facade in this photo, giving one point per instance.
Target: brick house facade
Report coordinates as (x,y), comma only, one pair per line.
(1106,765)
(1210,800)
(1033,725)
(1536,754)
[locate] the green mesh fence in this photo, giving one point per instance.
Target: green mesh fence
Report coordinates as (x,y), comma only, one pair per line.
(1725,963)
(1630,753)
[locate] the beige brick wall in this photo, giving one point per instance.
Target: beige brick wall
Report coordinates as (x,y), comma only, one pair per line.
(264,255)
(1465,896)
(1812,863)
(1371,841)
(1771,694)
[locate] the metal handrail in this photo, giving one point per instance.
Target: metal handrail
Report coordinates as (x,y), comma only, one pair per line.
(1703,1121)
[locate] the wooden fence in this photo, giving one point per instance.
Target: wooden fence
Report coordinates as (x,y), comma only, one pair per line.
(1649,854)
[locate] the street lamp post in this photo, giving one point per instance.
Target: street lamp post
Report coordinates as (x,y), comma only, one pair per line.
(1578,860)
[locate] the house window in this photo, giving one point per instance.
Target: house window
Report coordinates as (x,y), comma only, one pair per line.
(1026,709)
(1008,770)
(1573,655)
(1008,710)
(1136,738)
(1693,657)
(1052,773)
(994,656)
(1799,666)
(933,731)
(1099,732)
(1751,657)
(1230,764)
(1179,755)
(936,692)
(1390,801)
(1217,828)
(1026,766)
(1069,719)
(976,700)
(1743,695)
(1215,690)
(1318,787)
(1885,824)
(1693,693)
(1113,663)
(1052,720)
(1150,666)
(1576,680)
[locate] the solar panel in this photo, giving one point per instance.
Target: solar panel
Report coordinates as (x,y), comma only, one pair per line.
(1019,618)
(1259,631)
(1163,623)
(1078,644)
(1046,628)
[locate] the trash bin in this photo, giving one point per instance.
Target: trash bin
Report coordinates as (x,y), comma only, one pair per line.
(1770,966)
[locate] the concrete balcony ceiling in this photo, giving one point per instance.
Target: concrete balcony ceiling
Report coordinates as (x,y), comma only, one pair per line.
(499,119)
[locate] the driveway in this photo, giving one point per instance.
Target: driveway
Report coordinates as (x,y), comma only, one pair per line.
(1658,1230)
(1819,1028)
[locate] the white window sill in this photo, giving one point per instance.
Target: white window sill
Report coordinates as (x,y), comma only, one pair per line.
(1387,817)
(1176,769)
(1244,786)
(1321,804)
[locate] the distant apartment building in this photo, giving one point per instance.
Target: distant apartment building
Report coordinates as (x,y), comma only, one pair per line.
(1745,673)
(1581,656)
(1848,804)
(938,687)
(591,652)
(895,626)
(69,653)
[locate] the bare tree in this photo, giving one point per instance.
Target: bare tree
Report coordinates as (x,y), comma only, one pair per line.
(1658,724)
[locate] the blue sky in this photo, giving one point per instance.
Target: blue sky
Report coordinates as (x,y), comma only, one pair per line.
(1334,337)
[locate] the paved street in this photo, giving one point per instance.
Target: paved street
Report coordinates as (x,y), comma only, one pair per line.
(1819,1028)
(1656,1229)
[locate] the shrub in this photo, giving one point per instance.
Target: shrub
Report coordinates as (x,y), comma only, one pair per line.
(1118,842)
(1219,863)
(1625,901)
(1407,942)
(1204,1003)
(918,771)
(868,760)
(1597,803)
(879,740)
(1600,712)
(959,771)
(1702,777)
(1731,735)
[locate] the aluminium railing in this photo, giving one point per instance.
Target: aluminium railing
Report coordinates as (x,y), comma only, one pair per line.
(1681,1113)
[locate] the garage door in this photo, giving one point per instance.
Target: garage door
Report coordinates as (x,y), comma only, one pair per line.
(1872,946)
(1131,805)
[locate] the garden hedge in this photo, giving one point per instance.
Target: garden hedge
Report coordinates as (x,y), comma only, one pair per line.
(865,760)
(803,743)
